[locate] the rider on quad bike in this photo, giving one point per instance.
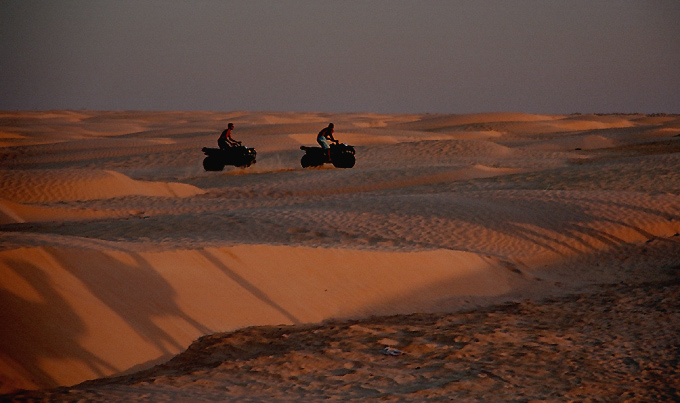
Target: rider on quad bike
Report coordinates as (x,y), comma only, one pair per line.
(231,152)
(339,154)
(324,136)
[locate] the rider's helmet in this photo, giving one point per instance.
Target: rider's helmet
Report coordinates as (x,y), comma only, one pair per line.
(331,125)
(230,126)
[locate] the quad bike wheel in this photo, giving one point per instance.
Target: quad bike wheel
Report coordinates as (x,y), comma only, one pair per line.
(306,161)
(212,164)
(344,161)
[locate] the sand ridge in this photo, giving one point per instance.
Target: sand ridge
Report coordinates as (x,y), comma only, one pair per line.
(579,347)
(122,250)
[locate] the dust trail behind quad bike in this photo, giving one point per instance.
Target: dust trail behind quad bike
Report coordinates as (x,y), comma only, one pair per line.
(118,250)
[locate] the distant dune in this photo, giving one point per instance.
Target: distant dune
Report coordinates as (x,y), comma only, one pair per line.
(421,273)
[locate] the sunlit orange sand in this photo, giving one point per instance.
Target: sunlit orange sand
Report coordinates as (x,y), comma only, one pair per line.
(119,251)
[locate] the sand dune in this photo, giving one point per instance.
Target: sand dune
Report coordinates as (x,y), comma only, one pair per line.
(117,251)
(39,186)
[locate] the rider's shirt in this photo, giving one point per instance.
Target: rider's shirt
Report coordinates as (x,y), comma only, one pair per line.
(325,133)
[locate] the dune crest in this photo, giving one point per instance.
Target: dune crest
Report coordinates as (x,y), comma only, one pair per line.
(12,213)
(149,304)
(68,185)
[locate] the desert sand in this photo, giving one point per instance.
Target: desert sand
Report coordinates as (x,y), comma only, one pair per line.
(498,256)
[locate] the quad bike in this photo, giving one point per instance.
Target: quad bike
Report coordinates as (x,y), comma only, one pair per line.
(342,156)
(239,156)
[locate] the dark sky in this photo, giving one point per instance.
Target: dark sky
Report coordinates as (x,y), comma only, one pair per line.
(384,56)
